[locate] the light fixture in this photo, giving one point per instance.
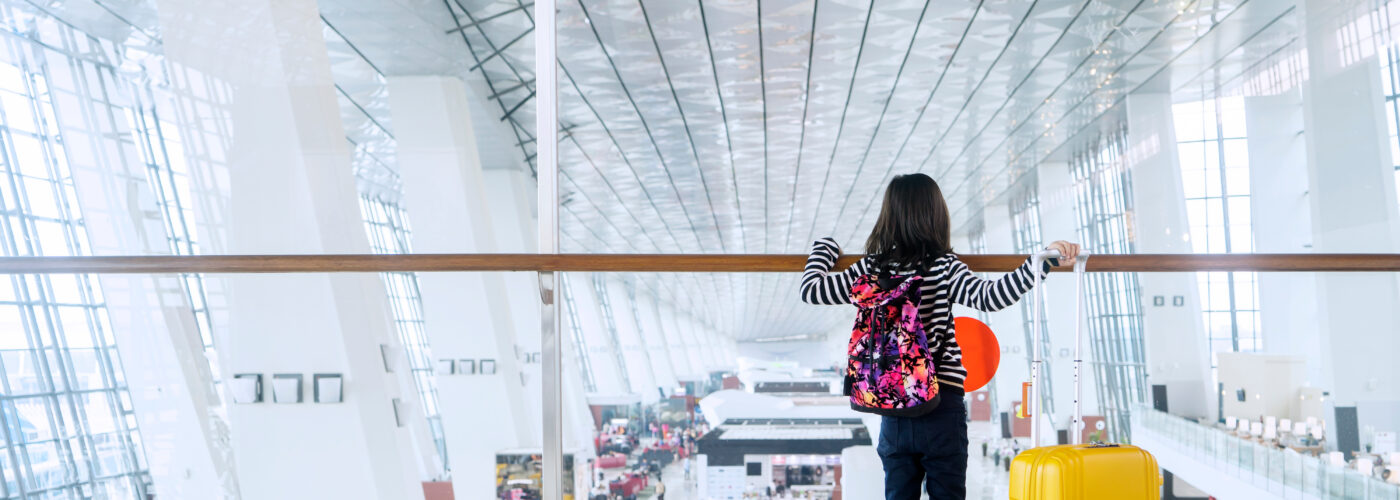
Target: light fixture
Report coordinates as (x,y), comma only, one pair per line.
(400,413)
(327,388)
(446,366)
(388,357)
(247,388)
(286,388)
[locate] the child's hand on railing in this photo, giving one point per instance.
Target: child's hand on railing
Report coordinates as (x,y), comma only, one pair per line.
(1068,251)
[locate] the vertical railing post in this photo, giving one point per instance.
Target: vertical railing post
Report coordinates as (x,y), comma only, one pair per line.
(547,163)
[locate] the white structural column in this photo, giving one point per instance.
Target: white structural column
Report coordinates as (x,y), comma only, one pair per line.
(1007,324)
(1174,335)
(510,192)
(675,322)
(467,315)
(710,340)
(1058,221)
(1282,221)
(662,355)
(637,358)
(675,345)
(693,332)
(657,345)
(602,354)
(293,191)
(1353,205)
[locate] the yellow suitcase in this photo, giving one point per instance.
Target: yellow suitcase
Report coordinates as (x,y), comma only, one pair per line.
(1076,471)
(1085,471)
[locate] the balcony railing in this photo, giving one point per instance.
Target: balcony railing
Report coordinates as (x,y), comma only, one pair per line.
(683,263)
(1281,473)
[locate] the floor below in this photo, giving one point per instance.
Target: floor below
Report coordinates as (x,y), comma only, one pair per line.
(986,480)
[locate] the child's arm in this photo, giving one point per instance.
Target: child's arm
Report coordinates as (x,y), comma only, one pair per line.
(819,285)
(991,295)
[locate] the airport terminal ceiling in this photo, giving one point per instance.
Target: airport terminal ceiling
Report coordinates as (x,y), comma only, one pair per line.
(747,127)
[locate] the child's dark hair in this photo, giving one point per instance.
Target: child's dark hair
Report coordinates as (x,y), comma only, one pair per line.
(914,223)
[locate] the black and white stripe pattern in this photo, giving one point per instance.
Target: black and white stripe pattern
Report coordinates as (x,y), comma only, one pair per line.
(945,281)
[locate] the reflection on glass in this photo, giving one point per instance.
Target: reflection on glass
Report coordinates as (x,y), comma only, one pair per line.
(67,429)
(1211,137)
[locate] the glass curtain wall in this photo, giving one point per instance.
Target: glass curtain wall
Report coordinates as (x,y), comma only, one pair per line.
(1104,206)
(389,233)
(1025,238)
(1383,21)
(163,153)
(69,429)
(1214,158)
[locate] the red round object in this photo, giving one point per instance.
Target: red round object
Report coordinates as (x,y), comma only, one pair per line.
(980,352)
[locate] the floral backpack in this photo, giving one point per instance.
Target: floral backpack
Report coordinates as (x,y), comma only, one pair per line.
(889,371)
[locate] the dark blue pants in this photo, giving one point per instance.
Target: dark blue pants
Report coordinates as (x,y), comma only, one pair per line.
(926,451)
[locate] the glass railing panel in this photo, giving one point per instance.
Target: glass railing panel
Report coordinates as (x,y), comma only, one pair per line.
(1355,485)
(1335,486)
(1277,462)
(1312,478)
(1293,470)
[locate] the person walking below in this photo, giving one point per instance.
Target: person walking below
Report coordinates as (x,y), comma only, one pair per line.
(660,490)
(912,240)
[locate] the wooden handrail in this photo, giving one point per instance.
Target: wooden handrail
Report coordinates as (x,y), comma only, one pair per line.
(690,263)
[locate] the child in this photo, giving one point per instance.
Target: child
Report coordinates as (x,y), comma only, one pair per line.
(912,237)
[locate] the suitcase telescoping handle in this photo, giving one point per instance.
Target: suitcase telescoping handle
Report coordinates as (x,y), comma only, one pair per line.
(1034,401)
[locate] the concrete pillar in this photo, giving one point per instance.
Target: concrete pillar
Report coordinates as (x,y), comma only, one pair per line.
(1353,209)
(1174,335)
(467,315)
(292,190)
(1282,220)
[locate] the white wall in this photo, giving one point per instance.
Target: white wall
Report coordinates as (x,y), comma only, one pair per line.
(1353,205)
(1270,382)
(1281,217)
(1175,336)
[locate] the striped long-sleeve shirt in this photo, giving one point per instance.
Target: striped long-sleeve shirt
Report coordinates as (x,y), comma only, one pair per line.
(946,280)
